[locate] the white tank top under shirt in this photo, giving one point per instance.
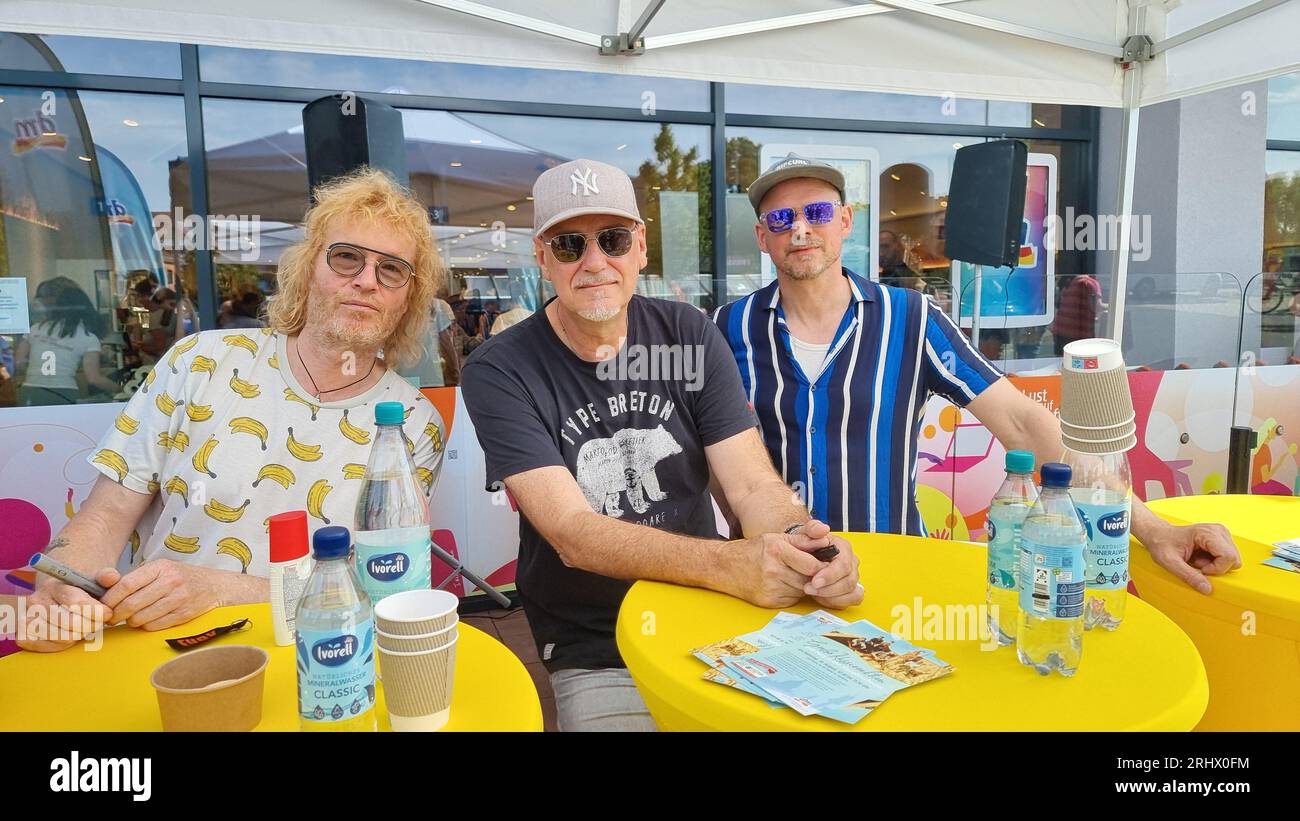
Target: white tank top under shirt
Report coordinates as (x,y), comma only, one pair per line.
(810,357)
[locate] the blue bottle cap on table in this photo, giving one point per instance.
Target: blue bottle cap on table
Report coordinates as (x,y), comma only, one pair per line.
(332,542)
(389,413)
(1056,474)
(1020,461)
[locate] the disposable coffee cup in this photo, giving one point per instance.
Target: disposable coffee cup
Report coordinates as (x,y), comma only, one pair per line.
(415,644)
(1094,386)
(416,612)
(417,687)
(214,689)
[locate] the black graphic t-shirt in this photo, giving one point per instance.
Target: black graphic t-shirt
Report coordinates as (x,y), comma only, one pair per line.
(631,430)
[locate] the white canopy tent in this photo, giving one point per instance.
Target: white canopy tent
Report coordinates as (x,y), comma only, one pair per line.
(1112,53)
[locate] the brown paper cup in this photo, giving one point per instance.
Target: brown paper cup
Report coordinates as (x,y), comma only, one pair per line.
(416,612)
(417,687)
(1096,400)
(415,644)
(215,689)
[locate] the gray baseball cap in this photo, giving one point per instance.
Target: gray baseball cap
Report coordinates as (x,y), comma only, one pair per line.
(581,187)
(792,167)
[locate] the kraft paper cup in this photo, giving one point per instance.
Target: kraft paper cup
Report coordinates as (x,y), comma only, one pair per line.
(416,612)
(1094,387)
(417,687)
(215,689)
(416,644)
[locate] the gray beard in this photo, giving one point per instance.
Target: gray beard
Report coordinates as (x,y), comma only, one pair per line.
(599,314)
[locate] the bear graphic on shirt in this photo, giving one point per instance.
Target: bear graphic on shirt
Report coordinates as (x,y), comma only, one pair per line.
(624,463)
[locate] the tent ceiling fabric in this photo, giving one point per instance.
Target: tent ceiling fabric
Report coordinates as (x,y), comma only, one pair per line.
(894,51)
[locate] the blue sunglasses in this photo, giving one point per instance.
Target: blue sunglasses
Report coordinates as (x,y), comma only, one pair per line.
(780,220)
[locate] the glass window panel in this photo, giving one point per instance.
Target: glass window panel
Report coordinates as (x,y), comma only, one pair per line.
(90,55)
(84,181)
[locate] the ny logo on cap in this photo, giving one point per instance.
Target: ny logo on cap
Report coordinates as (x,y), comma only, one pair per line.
(587,179)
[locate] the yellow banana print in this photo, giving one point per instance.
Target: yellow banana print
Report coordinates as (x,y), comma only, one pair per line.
(126,424)
(316,499)
(203,364)
(166,404)
(407,414)
(114,461)
(178,486)
(354,470)
(274,361)
(225,513)
(351,431)
(306,453)
(198,413)
(240,341)
(178,442)
(276,473)
(293,397)
(435,433)
(267,331)
(181,544)
(180,348)
(410,446)
(135,544)
(148,380)
(203,454)
(266,524)
(243,387)
(153,485)
(230,546)
(247,424)
(425,476)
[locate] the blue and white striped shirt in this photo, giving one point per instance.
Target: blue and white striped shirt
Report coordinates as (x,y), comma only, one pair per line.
(847,435)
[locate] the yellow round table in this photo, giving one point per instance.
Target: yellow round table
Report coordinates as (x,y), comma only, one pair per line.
(1248,629)
(1145,676)
(108,689)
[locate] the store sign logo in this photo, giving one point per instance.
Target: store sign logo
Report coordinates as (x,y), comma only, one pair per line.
(36,132)
(116,212)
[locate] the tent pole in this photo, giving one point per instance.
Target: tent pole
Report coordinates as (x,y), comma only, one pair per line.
(1128,165)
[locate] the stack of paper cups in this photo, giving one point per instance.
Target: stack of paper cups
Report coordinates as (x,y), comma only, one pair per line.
(415,635)
(1096,405)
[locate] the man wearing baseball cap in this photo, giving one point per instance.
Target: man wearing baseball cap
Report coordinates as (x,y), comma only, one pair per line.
(604,414)
(839,368)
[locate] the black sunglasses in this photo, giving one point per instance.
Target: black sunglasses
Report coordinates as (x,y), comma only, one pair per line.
(349,260)
(613,242)
(780,220)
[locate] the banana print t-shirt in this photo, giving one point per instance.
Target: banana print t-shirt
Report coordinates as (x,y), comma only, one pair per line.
(224,437)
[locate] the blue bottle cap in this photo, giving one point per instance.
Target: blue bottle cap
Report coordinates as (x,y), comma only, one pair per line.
(331,542)
(1056,474)
(1020,461)
(389,413)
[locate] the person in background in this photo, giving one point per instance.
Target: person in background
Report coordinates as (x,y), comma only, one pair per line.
(992,342)
(1080,309)
(66,341)
(245,311)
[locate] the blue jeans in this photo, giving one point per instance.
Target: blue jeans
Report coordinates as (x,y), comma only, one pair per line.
(603,700)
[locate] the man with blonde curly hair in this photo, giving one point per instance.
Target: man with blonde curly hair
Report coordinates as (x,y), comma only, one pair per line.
(232,427)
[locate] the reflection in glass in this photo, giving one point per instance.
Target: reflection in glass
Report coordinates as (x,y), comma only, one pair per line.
(83,181)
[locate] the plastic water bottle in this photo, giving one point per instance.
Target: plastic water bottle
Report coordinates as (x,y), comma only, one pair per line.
(335,648)
(1007,512)
(392,517)
(1102,490)
(1052,541)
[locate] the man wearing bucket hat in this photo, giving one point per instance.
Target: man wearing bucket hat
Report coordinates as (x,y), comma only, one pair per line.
(604,414)
(838,370)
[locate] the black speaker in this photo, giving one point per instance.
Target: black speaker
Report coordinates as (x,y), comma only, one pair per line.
(986,203)
(344,132)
